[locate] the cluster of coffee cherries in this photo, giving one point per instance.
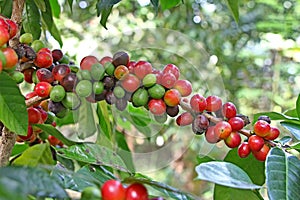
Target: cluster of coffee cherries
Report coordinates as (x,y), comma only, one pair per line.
(8,57)
(114,190)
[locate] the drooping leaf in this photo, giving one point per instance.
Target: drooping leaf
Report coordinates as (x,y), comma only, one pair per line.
(41,5)
(56,133)
(48,20)
(277,116)
(155,4)
(6,7)
(283,175)
(167,191)
(32,19)
(254,169)
(226,174)
(13,114)
(70,2)
(104,16)
(93,154)
(55,8)
(104,8)
(293,128)
(298,106)
(19,182)
(233,6)
(167,4)
(104,121)
(35,155)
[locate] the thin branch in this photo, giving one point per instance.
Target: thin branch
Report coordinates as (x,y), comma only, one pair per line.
(17,13)
(8,140)
(33,100)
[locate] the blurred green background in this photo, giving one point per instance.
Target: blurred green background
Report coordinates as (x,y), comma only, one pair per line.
(253,63)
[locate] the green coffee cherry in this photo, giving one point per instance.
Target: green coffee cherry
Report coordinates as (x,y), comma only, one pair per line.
(57,93)
(140,97)
(97,72)
(84,88)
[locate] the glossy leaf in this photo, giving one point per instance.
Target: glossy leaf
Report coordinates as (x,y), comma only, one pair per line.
(292,113)
(55,7)
(298,106)
(48,20)
(233,6)
(167,191)
(41,5)
(6,7)
(56,133)
(39,154)
(85,120)
(93,154)
(228,193)
(293,128)
(13,114)
(277,116)
(32,19)
(283,175)
(19,148)
(167,4)
(19,182)
(104,16)
(226,174)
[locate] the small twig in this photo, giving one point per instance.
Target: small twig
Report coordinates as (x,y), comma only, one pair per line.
(8,140)
(33,100)
(17,13)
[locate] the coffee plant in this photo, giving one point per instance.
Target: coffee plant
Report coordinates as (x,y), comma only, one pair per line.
(42,91)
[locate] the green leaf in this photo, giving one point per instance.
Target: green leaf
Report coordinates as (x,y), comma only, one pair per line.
(93,154)
(254,169)
(167,4)
(19,148)
(70,2)
(104,16)
(41,5)
(155,4)
(124,150)
(284,140)
(55,8)
(277,116)
(233,6)
(6,7)
(298,106)
(13,113)
(283,175)
(48,20)
(226,174)
(167,191)
(19,182)
(228,193)
(292,113)
(139,116)
(84,116)
(32,19)
(104,121)
(35,155)
(293,128)
(296,146)
(47,128)
(204,159)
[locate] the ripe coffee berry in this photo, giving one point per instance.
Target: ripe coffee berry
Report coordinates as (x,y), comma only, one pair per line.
(214,103)
(168,80)
(236,123)
(44,75)
(184,87)
(43,89)
(121,71)
(255,142)
(11,57)
(222,129)
(172,97)
(198,103)
(34,115)
(210,135)
(173,69)
(244,150)
(200,124)
(185,119)
(60,71)
(233,140)
(273,133)
(229,110)
(130,83)
(87,62)
(142,68)
(261,128)
(136,191)
(157,106)
(261,155)
(43,59)
(172,111)
(113,190)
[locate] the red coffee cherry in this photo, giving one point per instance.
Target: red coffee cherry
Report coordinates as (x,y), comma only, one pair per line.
(157,106)
(273,133)
(11,58)
(229,110)
(168,80)
(105,59)
(244,150)
(26,137)
(185,119)
(53,140)
(13,28)
(255,142)
(210,135)
(136,191)
(222,129)
(214,103)
(142,68)
(236,123)
(198,103)
(184,87)
(233,140)
(121,71)
(44,75)
(87,62)
(43,59)
(130,83)
(4,35)
(173,69)
(34,115)
(261,128)
(28,75)
(261,155)
(60,71)
(113,190)
(43,89)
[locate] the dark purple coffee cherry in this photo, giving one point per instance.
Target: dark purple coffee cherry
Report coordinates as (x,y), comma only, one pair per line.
(200,124)
(172,111)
